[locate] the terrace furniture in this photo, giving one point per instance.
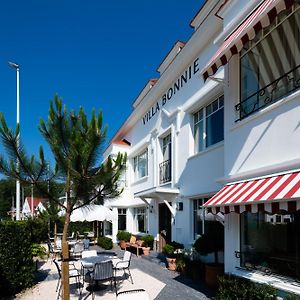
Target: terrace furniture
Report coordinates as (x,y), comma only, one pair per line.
(135,243)
(77,249)
(73,273)
(123,264)
(138,294)
(102,271)
(88,253)
(53,252)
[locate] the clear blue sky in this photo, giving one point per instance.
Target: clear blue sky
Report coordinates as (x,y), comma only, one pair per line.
(93,53)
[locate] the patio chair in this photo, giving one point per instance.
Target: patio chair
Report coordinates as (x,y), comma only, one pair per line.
(101,272)
(76,251)
(73,273)
(53,252)
(138,294)
(123,264)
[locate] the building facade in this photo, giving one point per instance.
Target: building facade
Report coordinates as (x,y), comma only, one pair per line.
(216,137)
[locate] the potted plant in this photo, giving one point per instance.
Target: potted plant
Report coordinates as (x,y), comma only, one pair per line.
(37,251)
(212,242)
(181,265)
(148,243)
(123,237)
(172,251)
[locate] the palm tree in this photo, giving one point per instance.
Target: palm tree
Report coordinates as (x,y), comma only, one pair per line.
(76,145)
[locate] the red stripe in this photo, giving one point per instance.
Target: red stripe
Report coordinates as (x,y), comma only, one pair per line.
(293,190)
(239,187)
(261,195)
(263,181)
(282,186)
(248,188)
(208,202)
(226,189)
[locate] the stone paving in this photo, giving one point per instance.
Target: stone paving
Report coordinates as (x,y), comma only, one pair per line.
(148,273)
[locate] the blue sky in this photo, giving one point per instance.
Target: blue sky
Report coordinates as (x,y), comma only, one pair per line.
(93,53)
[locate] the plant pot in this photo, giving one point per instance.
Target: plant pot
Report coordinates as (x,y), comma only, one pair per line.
(146,251)
(171,263)
(212,271)
(122,244)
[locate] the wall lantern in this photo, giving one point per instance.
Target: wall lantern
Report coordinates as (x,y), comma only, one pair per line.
(179,206)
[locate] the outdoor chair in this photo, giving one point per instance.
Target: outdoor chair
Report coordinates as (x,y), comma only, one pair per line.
(73,273)
(53,252)
(76,251)
(101,272)
(139,294)
(123,264)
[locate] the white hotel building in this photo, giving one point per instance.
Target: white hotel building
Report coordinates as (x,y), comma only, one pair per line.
(221,126)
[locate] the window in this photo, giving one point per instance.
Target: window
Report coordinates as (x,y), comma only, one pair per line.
(140,219)
(270,64)
(108,228)
(140,165)
(165,165)
(271,243)
(198,217)
(122,218)
(209,125)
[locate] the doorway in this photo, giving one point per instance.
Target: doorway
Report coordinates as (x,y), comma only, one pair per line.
(164,225)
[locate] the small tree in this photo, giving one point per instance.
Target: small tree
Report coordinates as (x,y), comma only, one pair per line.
(76,145)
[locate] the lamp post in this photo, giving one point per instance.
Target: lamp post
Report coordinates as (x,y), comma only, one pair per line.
(16,67)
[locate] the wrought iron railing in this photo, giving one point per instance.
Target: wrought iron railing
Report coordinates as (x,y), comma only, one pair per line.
(282,86)
(165,171)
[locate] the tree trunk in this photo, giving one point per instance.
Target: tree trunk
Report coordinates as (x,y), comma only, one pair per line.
(65,258)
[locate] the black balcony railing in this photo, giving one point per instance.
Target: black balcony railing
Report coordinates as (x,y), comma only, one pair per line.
(282,86)
(165,171)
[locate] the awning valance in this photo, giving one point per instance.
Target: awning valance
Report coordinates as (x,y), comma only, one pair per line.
(260,18)
(271,194)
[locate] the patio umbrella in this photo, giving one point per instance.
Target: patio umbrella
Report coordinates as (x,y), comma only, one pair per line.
(91,213)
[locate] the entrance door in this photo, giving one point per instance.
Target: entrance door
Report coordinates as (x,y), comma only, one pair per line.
(164,225)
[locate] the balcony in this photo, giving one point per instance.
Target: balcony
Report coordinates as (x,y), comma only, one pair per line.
(165,171)
(276,90)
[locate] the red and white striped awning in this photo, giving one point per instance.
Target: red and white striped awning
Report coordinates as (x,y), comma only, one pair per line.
(270,194)
(260,18)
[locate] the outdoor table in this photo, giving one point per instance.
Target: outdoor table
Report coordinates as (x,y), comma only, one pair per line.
(89,262)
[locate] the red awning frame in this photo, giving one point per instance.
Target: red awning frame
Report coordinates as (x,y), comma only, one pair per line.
(260,18)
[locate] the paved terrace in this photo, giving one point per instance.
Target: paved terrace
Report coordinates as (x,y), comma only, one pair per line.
(148,273)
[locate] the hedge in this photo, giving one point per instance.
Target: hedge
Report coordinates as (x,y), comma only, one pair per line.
(16,264)
(105,242)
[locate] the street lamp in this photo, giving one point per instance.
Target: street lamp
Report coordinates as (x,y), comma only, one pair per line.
(16,66)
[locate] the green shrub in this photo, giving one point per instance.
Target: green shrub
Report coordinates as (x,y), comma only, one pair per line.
(148,240)
(168,250)
(38,230)
(16,264)
(38,250)
(232,287)
(105,242)
(177,245)
(123,235)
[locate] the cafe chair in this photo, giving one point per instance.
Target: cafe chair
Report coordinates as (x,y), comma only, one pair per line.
(53,252)
(73,273)
(138,294)
(123,264)
(77,250)
(101,272)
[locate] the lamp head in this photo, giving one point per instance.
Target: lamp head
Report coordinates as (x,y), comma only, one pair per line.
(13,65)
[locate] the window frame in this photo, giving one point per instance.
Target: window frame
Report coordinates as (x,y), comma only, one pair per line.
(205,115)
(136,163)
(140,211)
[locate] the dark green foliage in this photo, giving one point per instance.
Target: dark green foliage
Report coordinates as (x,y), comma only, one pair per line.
(232,287)
(168,249)
(7,193)
(212,241)
(80,227)
(16,264)
(123,235)
(148,240)
(37,230)
(105,242)
(177,245)
(38,250)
